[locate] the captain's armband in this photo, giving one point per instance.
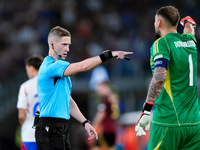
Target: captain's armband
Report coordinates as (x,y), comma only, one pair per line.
(161,62)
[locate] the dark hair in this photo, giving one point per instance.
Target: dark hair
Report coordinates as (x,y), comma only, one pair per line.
(170,13)
(34,61)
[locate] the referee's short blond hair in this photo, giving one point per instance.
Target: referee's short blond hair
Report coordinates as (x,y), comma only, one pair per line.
(56,33)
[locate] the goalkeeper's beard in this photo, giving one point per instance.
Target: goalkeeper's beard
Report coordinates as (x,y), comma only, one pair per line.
(157,34)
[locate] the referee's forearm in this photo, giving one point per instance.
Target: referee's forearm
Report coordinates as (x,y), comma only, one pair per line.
(82,66)
(75,112)
(90,63)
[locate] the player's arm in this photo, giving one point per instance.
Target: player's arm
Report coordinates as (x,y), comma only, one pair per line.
(189,29)
(21,115)
(99,118)
(22,104)
(189,25)
(156,84)
(90,63)
(155,88)
(76,113)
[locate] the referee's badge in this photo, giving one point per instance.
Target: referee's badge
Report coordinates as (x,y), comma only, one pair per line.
(47,128)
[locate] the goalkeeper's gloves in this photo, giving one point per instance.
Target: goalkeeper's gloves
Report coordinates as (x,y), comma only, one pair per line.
(144,120)
(188,19)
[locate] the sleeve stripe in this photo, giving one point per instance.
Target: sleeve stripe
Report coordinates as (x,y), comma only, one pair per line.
(155,47)
(167,44)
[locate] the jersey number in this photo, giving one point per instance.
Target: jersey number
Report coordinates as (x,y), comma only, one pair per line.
(191,70)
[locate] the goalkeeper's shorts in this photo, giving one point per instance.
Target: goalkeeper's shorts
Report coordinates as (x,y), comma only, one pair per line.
(174,138)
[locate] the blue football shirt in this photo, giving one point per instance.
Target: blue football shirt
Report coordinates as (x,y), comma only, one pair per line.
(54,89)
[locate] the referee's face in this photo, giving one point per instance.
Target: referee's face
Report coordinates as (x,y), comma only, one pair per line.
(62,46)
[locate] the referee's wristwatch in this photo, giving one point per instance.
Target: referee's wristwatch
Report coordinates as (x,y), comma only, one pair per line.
(86,121)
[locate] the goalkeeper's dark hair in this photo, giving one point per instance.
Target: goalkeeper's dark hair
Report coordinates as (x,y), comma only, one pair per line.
(34,61)
(170,13)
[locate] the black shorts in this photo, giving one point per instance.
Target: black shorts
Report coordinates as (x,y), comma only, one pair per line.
(110,139)
(52,134)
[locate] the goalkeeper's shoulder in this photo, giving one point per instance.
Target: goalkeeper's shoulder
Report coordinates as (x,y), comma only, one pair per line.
(159,40)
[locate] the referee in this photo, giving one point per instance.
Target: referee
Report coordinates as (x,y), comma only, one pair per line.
(54,91)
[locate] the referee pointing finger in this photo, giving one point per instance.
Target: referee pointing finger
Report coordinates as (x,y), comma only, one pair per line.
(54,91)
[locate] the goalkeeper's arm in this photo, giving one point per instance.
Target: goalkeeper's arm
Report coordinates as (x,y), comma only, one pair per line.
(155,88)
(189,25)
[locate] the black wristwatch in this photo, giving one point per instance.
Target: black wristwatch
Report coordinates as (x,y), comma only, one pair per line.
(86,121)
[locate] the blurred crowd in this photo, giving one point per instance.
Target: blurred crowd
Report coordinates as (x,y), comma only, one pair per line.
(95,25)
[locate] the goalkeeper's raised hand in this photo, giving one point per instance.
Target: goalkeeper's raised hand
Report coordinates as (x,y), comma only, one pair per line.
(144,120)
(188,19)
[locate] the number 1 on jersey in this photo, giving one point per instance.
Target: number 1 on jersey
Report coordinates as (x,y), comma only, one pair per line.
(191,70)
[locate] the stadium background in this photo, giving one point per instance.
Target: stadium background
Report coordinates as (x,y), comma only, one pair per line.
(95,25)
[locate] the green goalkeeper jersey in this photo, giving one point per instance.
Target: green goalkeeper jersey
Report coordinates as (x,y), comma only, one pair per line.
(178,103)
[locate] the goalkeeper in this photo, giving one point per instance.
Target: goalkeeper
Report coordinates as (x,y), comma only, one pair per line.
(173,88)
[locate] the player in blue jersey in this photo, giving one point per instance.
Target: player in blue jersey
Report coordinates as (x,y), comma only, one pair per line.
(54,91)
